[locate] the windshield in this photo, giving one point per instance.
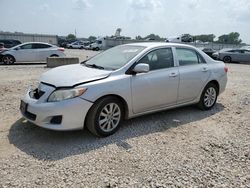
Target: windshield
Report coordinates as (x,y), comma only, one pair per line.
(115,58)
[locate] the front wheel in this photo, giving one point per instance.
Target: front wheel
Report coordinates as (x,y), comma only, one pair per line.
(8,60)
(105,116)
(208,97)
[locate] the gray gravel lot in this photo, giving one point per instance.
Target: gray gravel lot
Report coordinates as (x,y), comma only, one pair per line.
(184,147)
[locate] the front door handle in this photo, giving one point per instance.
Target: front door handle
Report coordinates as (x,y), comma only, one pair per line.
(204,69)
(173,74)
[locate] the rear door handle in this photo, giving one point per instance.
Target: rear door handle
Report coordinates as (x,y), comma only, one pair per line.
(173,74)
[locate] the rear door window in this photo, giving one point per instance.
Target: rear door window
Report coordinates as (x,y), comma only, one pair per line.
(187,57)
(40,46)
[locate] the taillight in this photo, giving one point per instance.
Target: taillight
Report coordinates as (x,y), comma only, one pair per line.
(61,49)
(226,69)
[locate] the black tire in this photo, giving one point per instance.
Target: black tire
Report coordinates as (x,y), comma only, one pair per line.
(97,49)
(94,117)
(227,59)
(203,103)
(81,47)
(8,60)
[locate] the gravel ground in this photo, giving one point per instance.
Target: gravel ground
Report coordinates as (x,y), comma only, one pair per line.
(184,147)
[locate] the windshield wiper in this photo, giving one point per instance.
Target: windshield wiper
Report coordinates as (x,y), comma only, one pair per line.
(94,66)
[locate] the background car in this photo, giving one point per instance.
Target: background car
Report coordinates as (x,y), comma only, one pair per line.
(208,51)
(121,83)
(33,51)
(9,43)
(78,45)
(233,55)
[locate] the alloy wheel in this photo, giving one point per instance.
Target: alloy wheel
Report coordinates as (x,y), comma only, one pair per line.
(210,97)
(109,117)
(8,60)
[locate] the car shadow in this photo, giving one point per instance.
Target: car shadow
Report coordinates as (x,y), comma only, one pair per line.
(51,145)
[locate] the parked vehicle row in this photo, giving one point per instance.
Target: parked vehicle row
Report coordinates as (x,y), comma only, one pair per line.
(96,45)
(121,83)
(31,51)
(78,45)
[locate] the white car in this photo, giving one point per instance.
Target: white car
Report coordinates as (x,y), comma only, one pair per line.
(78,45)
(31,52)
(175,39)
(121,83)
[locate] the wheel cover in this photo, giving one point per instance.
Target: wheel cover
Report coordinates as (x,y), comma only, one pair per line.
(8,60)
(227,59)
(109,117)
(210,97)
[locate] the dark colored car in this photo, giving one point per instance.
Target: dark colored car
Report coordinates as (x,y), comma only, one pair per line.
(186,38)
(209,51)
(9,43)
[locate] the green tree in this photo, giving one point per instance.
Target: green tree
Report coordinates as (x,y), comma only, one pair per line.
(138,37)
(92,38)
(231,38)
(71,37)
(153,37)
(205,38)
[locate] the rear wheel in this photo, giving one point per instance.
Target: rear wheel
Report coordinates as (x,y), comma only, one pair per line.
(227,59)
(54,55)
(8,60)
(105,116)
(208,97)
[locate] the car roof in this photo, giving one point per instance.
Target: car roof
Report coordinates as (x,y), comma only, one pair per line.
(32,43)
(158,44)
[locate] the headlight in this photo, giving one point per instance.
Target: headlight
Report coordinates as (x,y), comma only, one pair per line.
(63,94)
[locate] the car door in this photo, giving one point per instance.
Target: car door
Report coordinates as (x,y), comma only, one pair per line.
(24,53)
(237,55)
(246,56)
(194,73)
(158,88)
(42,51)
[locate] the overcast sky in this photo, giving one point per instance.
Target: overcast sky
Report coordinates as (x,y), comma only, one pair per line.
(135,17)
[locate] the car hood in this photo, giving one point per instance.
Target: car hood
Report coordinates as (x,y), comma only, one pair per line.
(71,75)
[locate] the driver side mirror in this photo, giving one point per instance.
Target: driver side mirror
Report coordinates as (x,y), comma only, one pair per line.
(141,68)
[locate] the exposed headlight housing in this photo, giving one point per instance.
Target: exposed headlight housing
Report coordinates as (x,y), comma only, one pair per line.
(63,94)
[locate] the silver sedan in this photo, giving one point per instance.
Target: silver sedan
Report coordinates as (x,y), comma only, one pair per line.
(121,83)
(31,51)
(235,55)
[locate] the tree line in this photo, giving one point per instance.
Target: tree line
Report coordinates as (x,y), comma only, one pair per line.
(231,38)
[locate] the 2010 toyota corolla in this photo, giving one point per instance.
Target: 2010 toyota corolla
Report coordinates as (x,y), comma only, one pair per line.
(124,82)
